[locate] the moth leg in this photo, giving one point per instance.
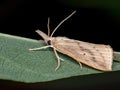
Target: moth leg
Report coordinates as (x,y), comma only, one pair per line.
(116,57)
(58,58)
(80,65)
(44,47)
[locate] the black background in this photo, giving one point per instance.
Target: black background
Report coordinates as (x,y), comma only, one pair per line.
(23,17)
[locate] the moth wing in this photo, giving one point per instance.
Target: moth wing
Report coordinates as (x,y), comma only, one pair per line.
(97,56)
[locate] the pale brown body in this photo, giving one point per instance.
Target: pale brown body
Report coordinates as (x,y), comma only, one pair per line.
(98,56)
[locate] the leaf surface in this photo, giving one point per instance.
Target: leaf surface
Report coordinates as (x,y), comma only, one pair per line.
(17,63)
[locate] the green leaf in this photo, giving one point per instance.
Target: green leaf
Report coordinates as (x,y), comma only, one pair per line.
(19,64)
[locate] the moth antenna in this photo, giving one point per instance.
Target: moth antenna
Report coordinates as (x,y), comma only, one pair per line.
(48,26)
(62,22)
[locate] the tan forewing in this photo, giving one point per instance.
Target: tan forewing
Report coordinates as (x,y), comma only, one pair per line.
(97,56)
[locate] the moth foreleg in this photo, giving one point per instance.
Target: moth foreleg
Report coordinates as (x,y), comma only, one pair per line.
(44,47)
(58,58)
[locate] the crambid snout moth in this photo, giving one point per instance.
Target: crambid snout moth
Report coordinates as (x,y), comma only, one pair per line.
(97,56)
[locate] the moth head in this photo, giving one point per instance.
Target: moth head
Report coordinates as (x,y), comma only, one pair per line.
(44,36)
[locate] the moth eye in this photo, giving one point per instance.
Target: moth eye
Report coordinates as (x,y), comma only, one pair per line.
(49,42)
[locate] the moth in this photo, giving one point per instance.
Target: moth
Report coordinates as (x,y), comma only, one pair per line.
(97,56)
